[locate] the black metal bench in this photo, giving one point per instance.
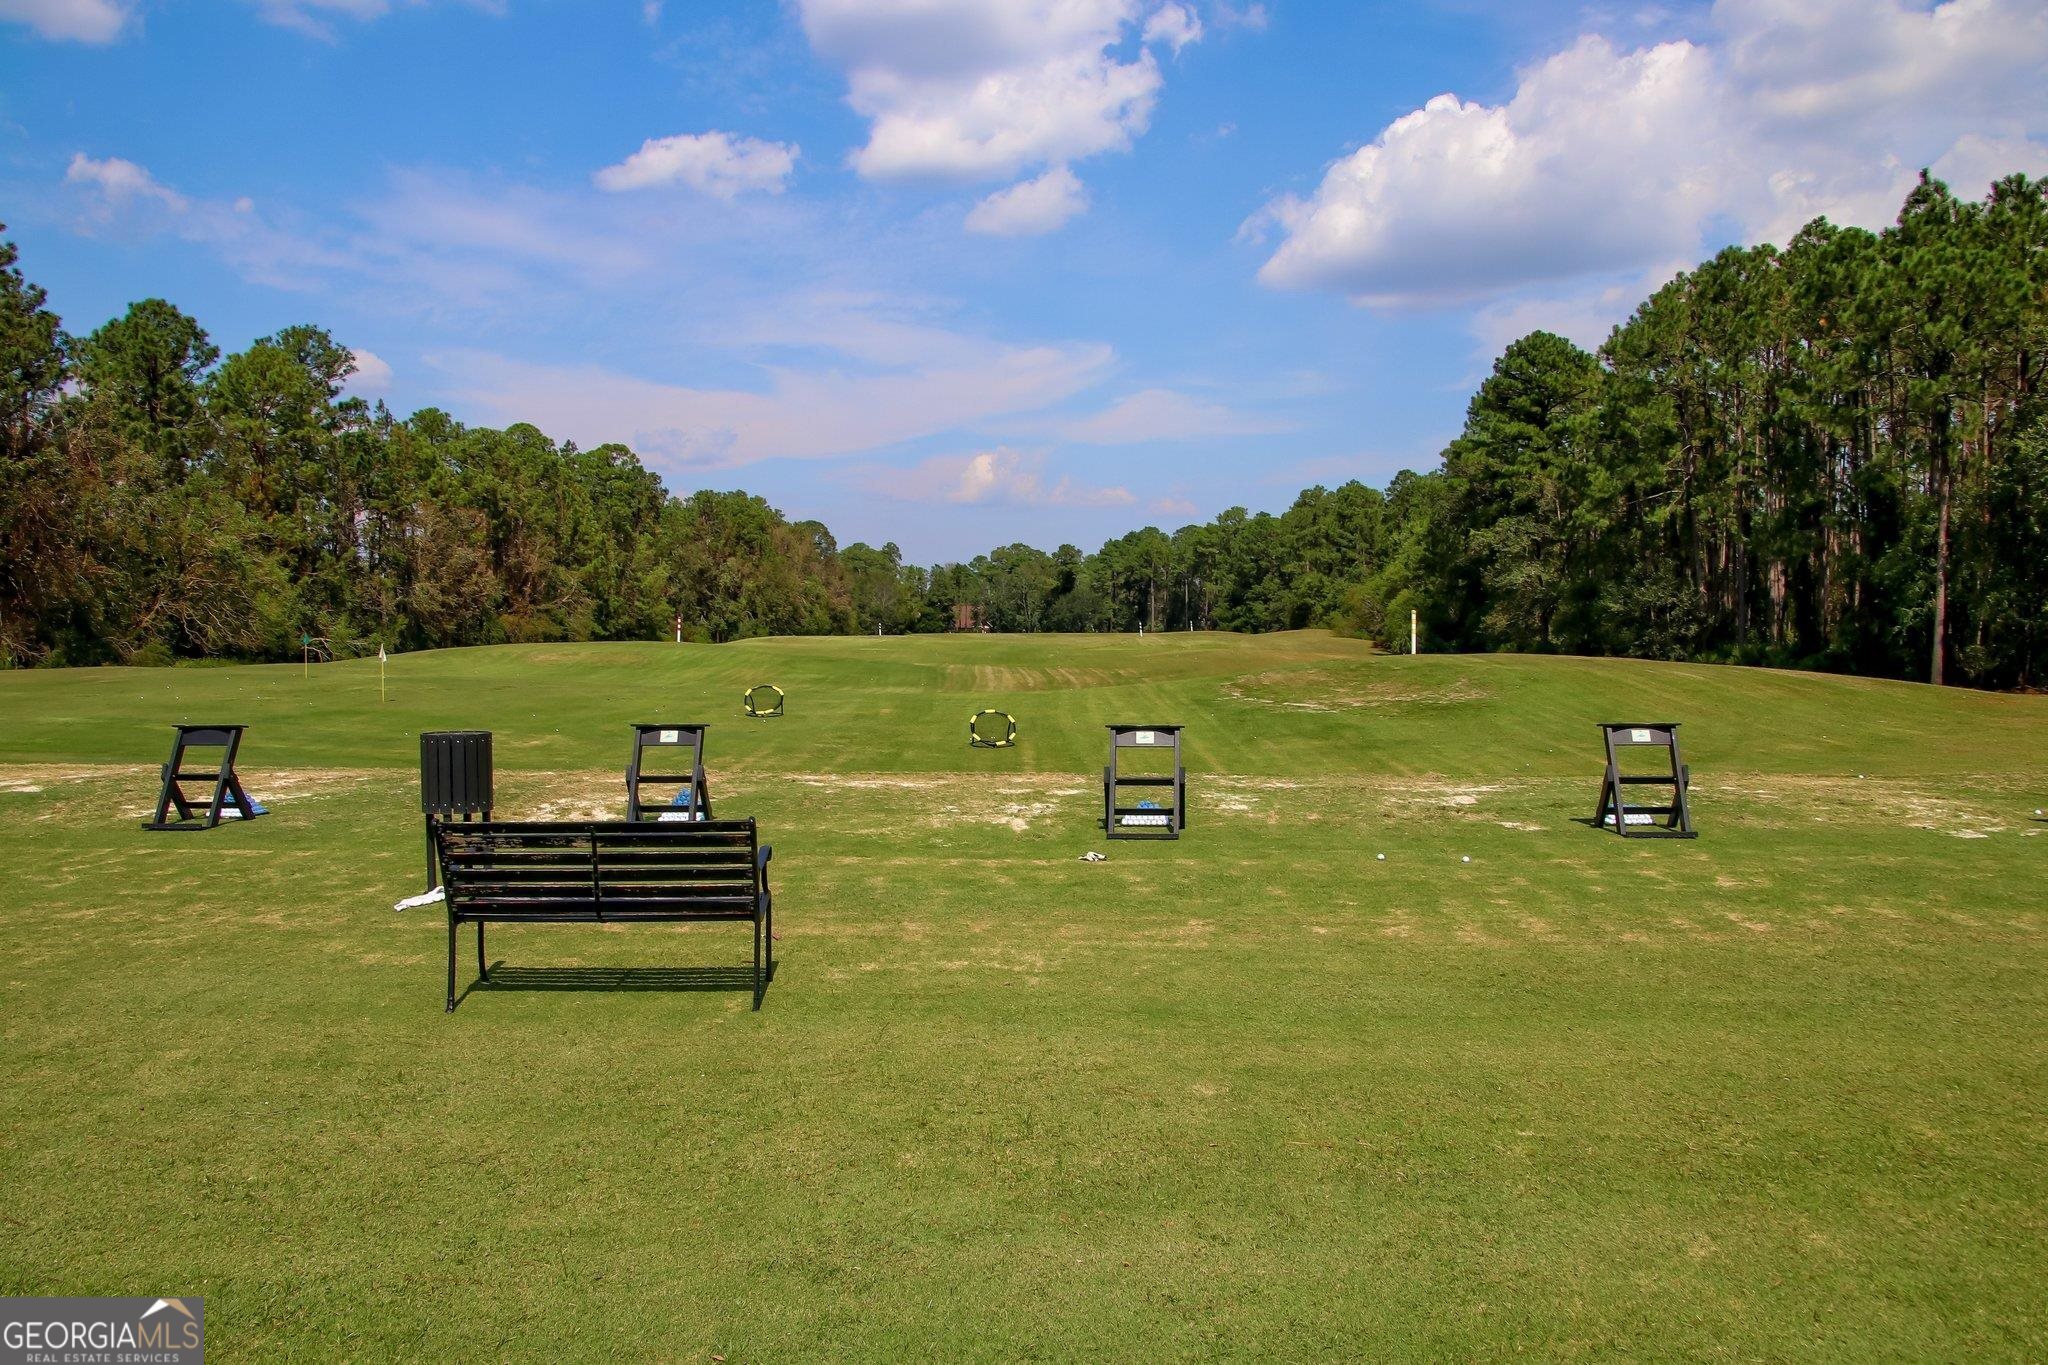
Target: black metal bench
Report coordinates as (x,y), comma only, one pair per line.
(606,872)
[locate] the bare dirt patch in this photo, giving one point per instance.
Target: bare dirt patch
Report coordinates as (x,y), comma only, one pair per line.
(138,783)
(28,779)
(1868,800)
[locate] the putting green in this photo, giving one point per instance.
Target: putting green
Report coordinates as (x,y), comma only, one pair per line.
(1780,1091)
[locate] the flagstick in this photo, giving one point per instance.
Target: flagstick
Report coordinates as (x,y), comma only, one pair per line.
(380,674)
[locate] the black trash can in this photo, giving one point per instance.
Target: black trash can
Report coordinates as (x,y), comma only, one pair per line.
(455,783)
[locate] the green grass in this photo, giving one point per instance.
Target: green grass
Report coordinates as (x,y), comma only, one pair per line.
(1779,1092)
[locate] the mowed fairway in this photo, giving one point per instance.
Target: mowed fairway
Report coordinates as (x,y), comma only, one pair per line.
(1779,1092)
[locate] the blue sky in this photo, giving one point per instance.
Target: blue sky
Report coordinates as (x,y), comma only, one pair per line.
(960,272)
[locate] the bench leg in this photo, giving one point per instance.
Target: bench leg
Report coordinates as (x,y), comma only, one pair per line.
(451,964)
(482,971)
(757,962)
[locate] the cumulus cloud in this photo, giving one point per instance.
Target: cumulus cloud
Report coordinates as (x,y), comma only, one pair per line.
(714,163)
(120,181)
(372,375)
(1030,208)
(1608,160)
(77,21)
(997,477)
(1976,162)
(1173,25)
(1457,200)
(969,90)
(1831,63)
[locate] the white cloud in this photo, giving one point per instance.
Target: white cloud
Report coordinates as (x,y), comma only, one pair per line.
(1173,25)
(1032,207)
(373,372)
(120,181)
(714,163)
(1059,110)
(1608,160)
(1456,201)
(980,89)
(997,477)
(1165,414)
(78,21)
(1835,62)
(1976,162)
(815,412)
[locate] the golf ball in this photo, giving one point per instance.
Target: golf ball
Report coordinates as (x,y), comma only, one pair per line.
(1466,859)
(1383,857)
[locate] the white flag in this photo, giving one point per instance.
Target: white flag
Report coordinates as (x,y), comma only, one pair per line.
(380,654)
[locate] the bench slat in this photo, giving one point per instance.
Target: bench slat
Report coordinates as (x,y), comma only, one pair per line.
(544,915)
(460,863)
(641,867)
(583,829)
(584,906)
(685,833)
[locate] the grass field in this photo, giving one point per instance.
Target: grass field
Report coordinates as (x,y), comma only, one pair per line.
(1779,1092)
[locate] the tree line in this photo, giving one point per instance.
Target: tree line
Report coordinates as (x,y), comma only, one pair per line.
(1832,454)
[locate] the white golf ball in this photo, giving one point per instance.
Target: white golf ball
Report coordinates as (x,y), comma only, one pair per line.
(1383,857)
(1466,859)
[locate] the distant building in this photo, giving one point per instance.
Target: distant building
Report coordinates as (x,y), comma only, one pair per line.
(967,616)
